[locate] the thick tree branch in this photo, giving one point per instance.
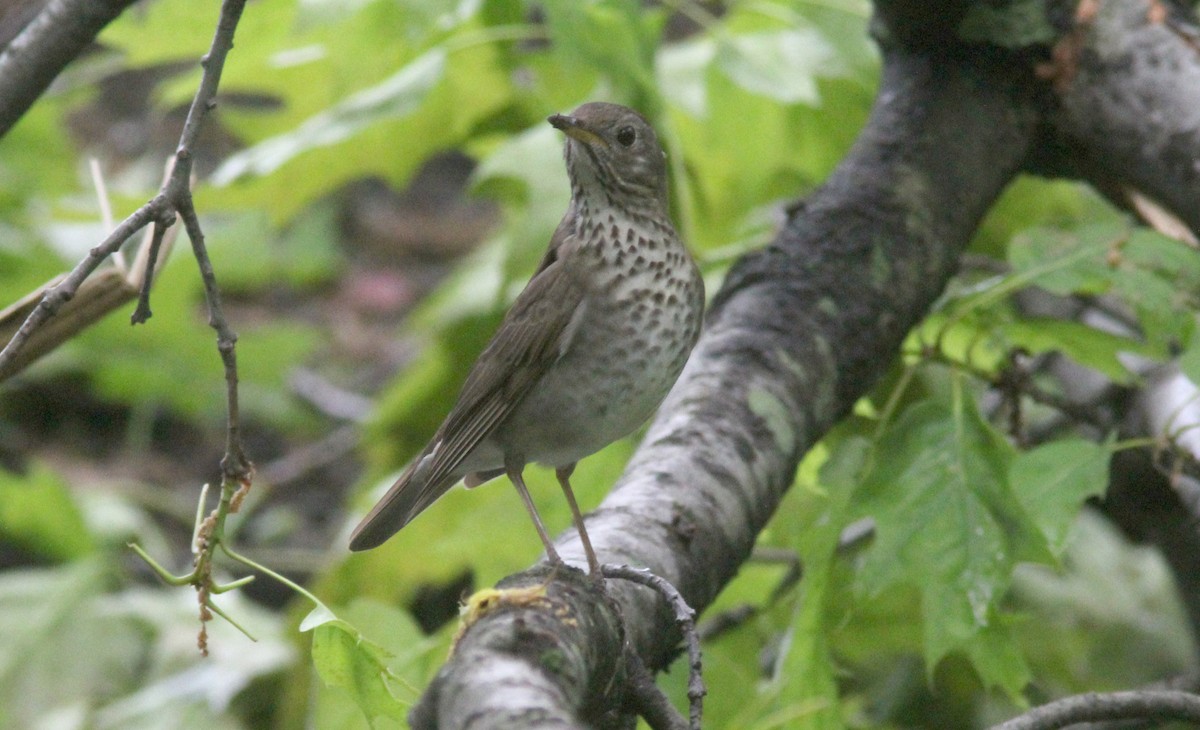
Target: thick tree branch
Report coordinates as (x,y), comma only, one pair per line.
(530,656)
(54,38)
(1125,111)
(804,328)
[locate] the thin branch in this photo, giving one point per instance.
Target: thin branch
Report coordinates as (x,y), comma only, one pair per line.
(331,400)
(57,296)
(142,312)
(1017,380)
(1093,707)
(648,701)
(802,329)
(174,197)
(44,48)
(685,619)
(234,465)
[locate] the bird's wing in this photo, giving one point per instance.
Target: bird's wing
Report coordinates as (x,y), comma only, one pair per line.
(533,335)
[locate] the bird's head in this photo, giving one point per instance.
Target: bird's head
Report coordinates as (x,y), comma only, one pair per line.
(613,152)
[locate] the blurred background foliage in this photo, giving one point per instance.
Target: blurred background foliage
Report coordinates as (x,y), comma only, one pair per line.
(377,183)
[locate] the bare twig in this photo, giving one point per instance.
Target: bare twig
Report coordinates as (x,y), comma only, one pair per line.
(97,296)
(65,290)
(1015,380)
(685,619)
(142,313)
(649,701)
(1128,705)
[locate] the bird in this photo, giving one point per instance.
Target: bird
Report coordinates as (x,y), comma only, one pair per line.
(589,348)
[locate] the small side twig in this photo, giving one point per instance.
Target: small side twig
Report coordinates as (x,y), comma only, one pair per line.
(142,312)
(1095,707)
(648,700)
(1016,381)
(685,619)
(61,293)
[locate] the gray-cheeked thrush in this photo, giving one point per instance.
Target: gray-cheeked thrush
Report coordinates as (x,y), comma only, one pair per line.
(589,348)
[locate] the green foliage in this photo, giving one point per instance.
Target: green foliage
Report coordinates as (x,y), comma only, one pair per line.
(810,653)
(981,510)
(80,654)
(1150,273)
(38,514)
(345,660)
(378,680)
(1021,25)
(615,35)
(976,581)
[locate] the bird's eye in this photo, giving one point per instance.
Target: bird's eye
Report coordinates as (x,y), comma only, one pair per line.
(626,136)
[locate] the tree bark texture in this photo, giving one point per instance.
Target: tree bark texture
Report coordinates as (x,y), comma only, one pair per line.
(803,328)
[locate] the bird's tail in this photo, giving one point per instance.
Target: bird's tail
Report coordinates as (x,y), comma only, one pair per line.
(407,498)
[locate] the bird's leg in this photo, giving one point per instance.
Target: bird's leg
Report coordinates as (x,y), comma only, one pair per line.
(564,480)
(514,475)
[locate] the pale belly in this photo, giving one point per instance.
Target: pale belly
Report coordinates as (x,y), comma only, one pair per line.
(609,382)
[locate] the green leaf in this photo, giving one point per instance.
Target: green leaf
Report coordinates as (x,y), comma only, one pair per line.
(34,603)
(60,649)
(305,254)
(997,657)
(396,96)
(1065,262)
(1160,278)
(1033,201)
(1189,359)
(808,665)
(36,160)
(615,36)
(38,513)
(1156,276)
(173,359)
(782,65)
(949,524)
(1017,24)
(388,130)
(1085,345)
(1053,480)
(525,170)
(344,659)
(682,70)
(319,616)
(1109,617)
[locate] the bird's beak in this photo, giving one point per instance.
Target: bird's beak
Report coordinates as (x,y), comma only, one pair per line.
(574,128)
